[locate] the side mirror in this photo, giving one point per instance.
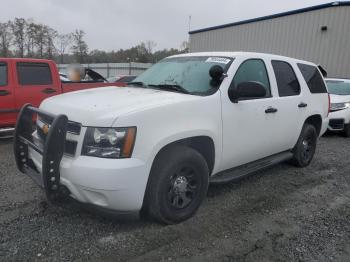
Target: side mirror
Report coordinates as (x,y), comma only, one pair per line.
(250,89)
(216,72)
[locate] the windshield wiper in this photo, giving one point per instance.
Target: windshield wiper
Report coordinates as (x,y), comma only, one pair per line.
(141,84)
(171,87)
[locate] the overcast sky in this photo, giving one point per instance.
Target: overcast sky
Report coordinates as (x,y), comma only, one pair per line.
(114,24)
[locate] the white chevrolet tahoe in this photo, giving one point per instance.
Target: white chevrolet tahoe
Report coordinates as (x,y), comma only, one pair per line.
(339,116)
(189,120)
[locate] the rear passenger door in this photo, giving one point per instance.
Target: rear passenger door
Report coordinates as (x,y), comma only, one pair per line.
(291,103)
(8,110)
(35,82)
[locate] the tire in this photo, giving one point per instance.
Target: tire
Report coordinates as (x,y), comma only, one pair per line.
(178,184)
(305,148)
(346,132)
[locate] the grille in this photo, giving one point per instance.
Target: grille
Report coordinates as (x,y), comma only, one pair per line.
(72,127)
(70,146)
(336,123)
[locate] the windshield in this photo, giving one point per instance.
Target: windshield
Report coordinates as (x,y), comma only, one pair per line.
(338,87)
(190,72)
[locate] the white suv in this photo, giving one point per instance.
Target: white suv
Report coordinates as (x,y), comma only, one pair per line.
(189,120)
(339,116)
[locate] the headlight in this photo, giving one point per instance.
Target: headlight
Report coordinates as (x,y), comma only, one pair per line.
(339,106)
(109,142)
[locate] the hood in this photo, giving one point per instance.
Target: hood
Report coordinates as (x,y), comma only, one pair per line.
(339,98)
(102,106)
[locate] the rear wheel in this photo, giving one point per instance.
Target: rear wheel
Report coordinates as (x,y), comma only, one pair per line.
(178,184)
(305,148)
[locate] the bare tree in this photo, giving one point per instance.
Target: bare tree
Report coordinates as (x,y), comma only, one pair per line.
(80,47)
(18,27)
(5,39)
(63,42)
(30,39)
(50,40)
(150,45)
(184,47)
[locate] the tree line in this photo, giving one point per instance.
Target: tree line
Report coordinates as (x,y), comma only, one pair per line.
(27,38)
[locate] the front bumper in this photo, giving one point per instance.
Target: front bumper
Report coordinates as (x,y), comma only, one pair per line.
(113,184)
(338,120)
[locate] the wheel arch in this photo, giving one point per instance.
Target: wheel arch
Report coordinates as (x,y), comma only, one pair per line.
(202,144)
(316,121)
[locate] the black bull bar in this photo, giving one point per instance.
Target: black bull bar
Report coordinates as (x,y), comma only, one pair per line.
(52,148)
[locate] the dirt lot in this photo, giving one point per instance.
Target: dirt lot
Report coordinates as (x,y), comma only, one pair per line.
(282,214)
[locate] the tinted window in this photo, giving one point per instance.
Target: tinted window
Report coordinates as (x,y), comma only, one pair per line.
(3,74)
(34,74)
(253,70)
(287,82)
(313,78)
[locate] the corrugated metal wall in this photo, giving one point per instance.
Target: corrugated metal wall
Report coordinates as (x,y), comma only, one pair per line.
(297,35)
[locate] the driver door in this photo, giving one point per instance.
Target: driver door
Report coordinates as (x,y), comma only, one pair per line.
(248,124)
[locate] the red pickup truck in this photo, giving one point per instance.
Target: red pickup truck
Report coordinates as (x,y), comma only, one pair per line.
(24,80)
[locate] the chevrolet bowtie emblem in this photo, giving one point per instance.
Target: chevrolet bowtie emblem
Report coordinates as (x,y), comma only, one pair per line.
(45,129)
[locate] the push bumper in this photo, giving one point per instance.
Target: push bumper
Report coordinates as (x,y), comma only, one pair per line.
(112,184)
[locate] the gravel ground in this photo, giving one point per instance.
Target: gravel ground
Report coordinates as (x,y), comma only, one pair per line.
(282,214)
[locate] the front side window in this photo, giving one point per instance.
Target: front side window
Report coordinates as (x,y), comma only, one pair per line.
(3,74)
(338,87)
(34,74)
(189,72)
(252,70)
(287,82)
(313,78)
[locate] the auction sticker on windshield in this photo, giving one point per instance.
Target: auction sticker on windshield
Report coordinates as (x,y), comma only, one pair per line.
(221,60)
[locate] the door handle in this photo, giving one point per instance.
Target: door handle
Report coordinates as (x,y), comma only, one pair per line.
(271,110)
(302,104)
(48,91)
(4,93)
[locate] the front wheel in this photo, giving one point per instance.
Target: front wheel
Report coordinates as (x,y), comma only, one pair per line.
(305,148)
(178,184)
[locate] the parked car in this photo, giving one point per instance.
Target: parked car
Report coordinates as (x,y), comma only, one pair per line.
(25,80)
(189,120)
(123,80)
(339,116)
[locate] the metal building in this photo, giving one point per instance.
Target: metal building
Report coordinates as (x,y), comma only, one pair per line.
(320,34)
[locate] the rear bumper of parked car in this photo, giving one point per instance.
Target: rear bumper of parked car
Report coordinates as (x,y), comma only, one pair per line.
(338,120)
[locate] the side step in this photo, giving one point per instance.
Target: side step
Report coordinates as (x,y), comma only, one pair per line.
(250,168)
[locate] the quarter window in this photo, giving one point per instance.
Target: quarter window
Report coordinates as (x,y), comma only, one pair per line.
(253,70)
(313,78)
(34,74)
(287,82)
(3,74)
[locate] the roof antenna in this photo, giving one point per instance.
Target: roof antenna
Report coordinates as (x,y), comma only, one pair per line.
(189,23)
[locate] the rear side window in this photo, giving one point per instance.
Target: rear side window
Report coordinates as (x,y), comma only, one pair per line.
(3,74)
(34,74)
(313,78)
(287,82)
(253,70)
